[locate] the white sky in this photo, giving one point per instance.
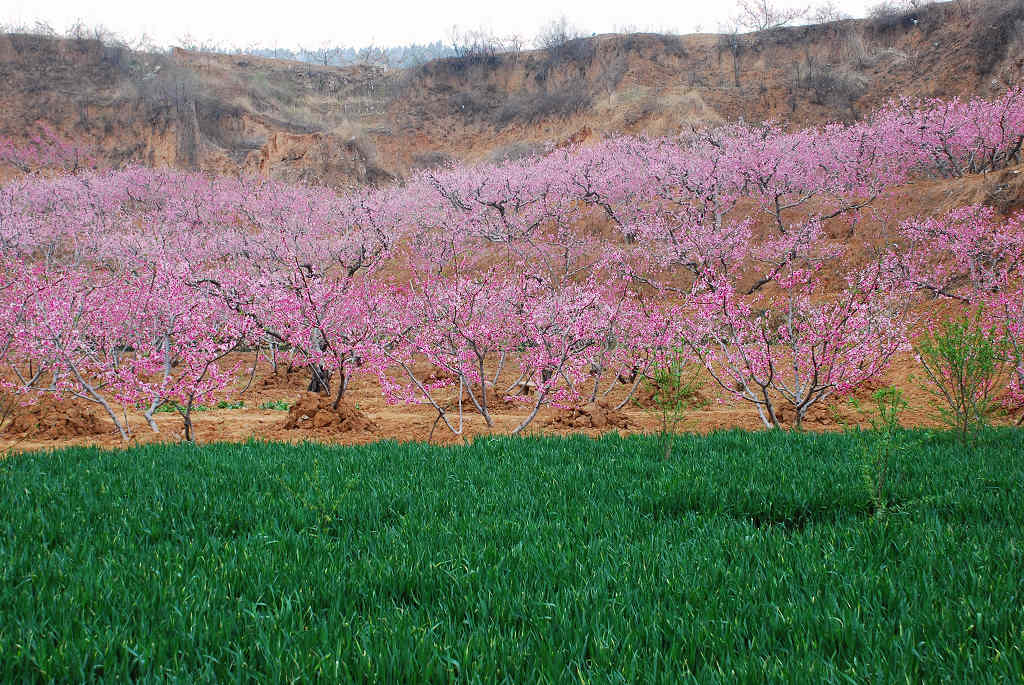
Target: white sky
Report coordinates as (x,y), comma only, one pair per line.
(314,23)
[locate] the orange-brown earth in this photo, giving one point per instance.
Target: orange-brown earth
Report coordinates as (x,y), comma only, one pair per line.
(365,417)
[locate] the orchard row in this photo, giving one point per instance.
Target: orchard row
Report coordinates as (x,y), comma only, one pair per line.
(550,280)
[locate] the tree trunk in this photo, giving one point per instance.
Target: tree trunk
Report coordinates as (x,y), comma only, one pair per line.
(341,388)
(320,379)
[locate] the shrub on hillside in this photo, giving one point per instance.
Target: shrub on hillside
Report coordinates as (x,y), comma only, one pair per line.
(530,108)
(829,85)
(433,159)
(518,150)
(472,103)
(564,42)
(893,15)
(997,25)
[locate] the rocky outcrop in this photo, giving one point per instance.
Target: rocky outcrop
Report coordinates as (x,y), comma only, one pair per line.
(316,158)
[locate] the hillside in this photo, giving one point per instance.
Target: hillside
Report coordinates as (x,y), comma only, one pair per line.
(343,126)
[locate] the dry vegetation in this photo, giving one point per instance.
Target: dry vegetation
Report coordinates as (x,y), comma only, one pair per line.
(365,124)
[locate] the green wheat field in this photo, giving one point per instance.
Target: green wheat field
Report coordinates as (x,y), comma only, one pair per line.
(745,557)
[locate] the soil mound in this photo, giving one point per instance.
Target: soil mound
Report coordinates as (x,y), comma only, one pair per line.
(644,398)
(495,402)
(818,415)
(283,380)
(600,415)
(428,373)
(312,411)
(54,419)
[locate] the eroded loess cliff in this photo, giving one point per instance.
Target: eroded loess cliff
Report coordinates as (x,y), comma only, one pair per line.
(366,125)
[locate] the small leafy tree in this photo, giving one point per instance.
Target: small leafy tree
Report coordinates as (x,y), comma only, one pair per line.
(963,362)
(881,447)
(674,386)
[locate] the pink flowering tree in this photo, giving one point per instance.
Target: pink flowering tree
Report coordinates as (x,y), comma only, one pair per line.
(555,343)
(963,253)
(973,257)
(176,339)
(129,339)
(334,326)
(306,275)
(44,151)
(64,341)
(795,344)
(950,138)
(1006,307)
(572,335)
(462,327)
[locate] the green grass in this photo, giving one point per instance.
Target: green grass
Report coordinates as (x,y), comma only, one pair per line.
(749,557)
(277,405)
(171,407)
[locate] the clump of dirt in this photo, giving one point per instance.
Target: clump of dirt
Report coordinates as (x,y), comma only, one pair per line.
(495,402)
(835,413)
(428,373)
(697,399)
(289,379)
(53,419)
(818,415)
(601,415)
(312,411)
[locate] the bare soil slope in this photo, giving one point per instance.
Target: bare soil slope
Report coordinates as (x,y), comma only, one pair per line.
(363,124)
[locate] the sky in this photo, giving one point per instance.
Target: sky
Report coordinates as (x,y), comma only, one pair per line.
(312,24)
